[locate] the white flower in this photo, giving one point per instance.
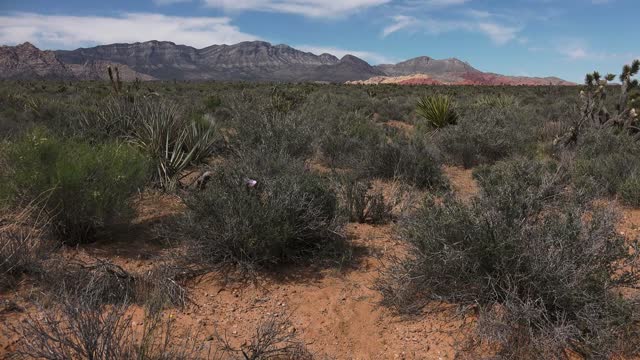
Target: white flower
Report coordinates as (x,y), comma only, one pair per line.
(250,183)
(633,113)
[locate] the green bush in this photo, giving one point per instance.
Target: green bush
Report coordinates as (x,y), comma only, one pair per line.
(543,268)
(83,186)
(438,110)
(290,216)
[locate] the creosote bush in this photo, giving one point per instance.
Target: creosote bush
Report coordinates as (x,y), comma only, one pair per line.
(288,216)
(360,202)
(543,268)
(605,160)
(411,160)
(83,187)
(485,136)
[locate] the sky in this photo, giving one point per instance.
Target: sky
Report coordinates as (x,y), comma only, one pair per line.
(564,38)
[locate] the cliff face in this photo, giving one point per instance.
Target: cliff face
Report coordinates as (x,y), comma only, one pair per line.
(246,61)
(254,60)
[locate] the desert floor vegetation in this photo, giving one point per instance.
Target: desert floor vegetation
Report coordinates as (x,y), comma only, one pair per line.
(187,220)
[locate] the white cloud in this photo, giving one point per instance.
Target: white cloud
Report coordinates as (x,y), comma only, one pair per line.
(371,57)
(169,2)
(578,49)
(399,22)
(59,31)
(445,2)
(310,8)
(575,53)
(498,33)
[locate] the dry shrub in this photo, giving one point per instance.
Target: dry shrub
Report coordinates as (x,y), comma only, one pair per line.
(106,283)
(542,266)
(273,339)
(361,202)
(23,244)
(288,217)
(78,329)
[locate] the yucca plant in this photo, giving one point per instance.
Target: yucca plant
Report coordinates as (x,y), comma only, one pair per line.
(172,141)
(438,110)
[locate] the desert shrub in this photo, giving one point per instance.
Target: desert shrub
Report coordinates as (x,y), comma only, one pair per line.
(212,103)
(544,269)
(23,244)
(438,110)
(496,101)
(411,160)
(394,108)
(277,122)
(22,111)
(105,283)
(83,186)
(78,329)
(486,136)
(630,191)
(288,216)
(605,159)
(272,340)
(347,138)
(360,202)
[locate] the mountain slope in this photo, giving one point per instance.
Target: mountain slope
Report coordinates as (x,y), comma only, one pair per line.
(426,65)
(25,61)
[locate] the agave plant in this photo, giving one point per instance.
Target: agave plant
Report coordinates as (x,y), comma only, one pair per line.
(438,110)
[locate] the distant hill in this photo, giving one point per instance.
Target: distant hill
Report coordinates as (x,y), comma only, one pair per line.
(245,61)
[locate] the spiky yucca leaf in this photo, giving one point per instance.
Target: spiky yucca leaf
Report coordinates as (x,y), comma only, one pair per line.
(438,110)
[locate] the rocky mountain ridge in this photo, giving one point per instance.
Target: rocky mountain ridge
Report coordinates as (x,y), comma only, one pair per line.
(245,61)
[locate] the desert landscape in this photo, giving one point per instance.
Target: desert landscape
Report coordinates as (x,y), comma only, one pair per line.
(181,220)
(179,183)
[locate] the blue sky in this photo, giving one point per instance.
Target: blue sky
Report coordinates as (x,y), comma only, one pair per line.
(565,38)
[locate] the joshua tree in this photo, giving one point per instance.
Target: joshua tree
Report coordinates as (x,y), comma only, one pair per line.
(594,111)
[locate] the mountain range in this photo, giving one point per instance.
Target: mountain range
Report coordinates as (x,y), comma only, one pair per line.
(246,61)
